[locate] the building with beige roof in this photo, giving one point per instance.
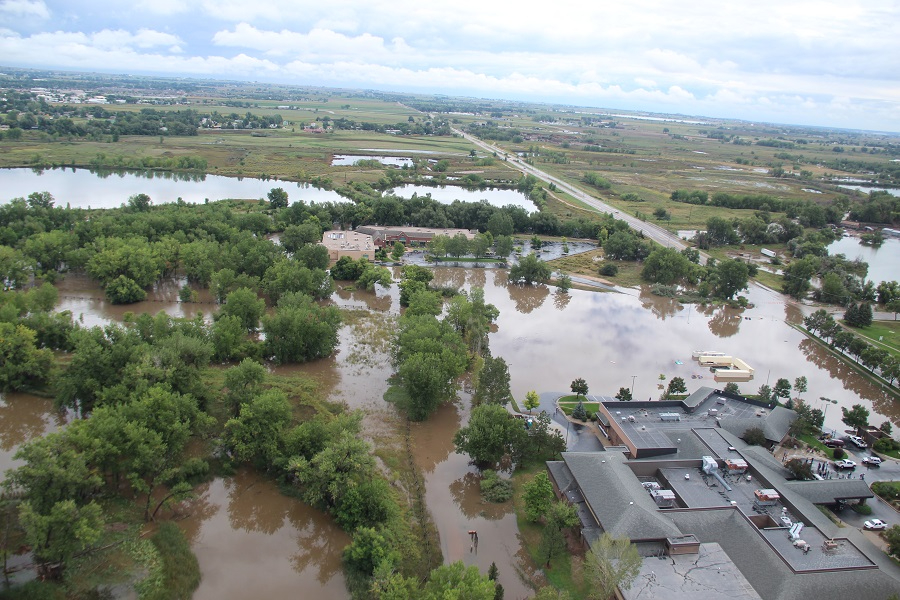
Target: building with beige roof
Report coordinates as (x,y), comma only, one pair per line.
(353,244)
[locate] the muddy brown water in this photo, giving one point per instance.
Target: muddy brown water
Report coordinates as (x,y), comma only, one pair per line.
(548,339)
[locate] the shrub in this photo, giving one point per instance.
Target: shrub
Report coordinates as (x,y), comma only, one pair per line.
(863,509)
(839,453)
(886,445)
(609,269)
(494,489)
(579,412)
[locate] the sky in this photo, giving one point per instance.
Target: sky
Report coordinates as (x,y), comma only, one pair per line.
(833,63)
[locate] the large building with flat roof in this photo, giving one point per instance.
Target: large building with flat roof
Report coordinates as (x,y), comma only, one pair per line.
(409,236)
(353,244)
(714,517)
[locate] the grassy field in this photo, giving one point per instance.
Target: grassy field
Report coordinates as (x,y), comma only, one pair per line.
(588,264)
(885,334)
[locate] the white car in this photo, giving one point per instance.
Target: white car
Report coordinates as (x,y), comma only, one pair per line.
(871,460)
(844,464)
(857,441)
(875,525)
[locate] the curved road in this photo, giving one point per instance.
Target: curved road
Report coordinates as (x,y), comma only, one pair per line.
(650,230)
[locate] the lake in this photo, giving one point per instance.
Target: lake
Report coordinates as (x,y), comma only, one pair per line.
(346,160)
(83,188)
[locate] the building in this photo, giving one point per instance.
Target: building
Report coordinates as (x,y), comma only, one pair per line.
(408,236)
(747,533)
(353,244)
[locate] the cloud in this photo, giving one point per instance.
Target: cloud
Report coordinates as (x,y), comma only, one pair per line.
(165,7)
(24,9)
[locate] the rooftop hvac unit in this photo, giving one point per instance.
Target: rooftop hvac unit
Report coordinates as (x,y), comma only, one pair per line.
(710,465)
(663,498)
(712,412)
(669,417)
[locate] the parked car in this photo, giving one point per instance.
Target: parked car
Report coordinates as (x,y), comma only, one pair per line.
(845,464)
(833,443)
(871,460)
(857,441)
(875,525)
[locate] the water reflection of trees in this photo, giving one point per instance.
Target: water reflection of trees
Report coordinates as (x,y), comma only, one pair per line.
(448,277)
(561,300)
(476,277)
(370,299)
(320,542)
(253,506)
(433,439)
(662,307)
(725,321)
(527,297)
(22,418)
(192,514)
(882,402)
(466,492)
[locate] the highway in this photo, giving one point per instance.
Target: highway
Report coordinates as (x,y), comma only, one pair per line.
(650,230)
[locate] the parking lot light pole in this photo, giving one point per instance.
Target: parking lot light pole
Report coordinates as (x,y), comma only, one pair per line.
(632,384)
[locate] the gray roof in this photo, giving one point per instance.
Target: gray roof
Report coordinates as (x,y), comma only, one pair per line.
(561,474)
(766,572)
(830,491)
(775,424)
(616,497)
(697,398)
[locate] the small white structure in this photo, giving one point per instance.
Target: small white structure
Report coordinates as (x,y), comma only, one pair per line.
(767,252)
(663,498)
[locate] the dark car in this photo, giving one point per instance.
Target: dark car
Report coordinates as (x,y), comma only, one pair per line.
(833,443)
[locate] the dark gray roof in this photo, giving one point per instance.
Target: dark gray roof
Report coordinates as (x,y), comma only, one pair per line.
(830,491)
(616,497)
(561,474)
(697,398)
(775,424)
(766,572)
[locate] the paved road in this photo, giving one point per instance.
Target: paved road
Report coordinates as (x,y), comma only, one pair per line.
(650,230)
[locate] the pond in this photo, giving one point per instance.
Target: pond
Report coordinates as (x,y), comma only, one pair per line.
(83,188)
(447,194)
(345,160)
(884,261)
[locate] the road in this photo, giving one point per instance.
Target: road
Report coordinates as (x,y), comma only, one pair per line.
(650,230)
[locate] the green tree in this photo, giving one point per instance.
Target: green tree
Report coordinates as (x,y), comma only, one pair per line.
(856,417)
(800,469)
(458,246)
(579,387)
(57,535)
(490,434)
(892,537)
(22,364)
(139,202)
(755,436)
(797,276)
(612,562)
(538,497)
(374,275)
(370,548)
(327,478)
(532,400)
(764,392)
(732,388)
(493,382)
(278,198)
(244,304)
(579,412)
(732,277)
(227,336)
(676,386)
(624,394)
(782,388)
(123,290)
(254,436)
(397,251)
(457,582)
(666,266)
(530,269)
(800,385)
(563,282)
(242,383)
(560,517)
(300,330)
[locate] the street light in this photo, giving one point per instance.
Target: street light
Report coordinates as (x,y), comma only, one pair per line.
(632,384)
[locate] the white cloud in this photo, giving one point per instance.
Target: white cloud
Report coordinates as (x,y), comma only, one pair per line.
(24,9)
(165,7)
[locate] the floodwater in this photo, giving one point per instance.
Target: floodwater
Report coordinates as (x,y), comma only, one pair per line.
(83,188)
(254,542)
(447,194)
(345,160)
(548,339)
(884,261)
(24,417)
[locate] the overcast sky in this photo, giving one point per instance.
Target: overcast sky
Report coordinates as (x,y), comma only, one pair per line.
(819,62)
